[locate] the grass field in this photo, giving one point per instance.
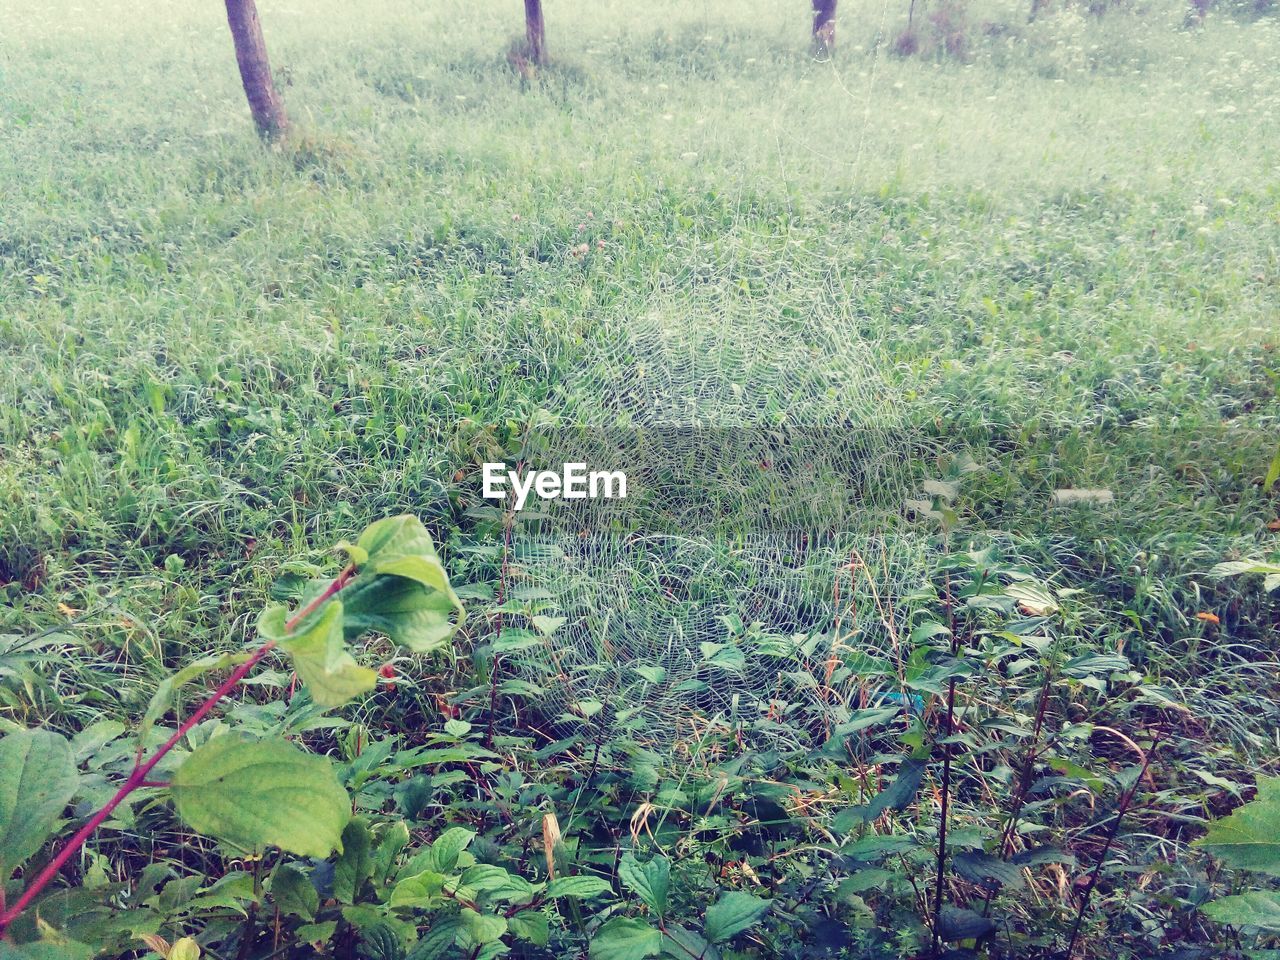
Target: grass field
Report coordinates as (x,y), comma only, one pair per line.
(1059,254)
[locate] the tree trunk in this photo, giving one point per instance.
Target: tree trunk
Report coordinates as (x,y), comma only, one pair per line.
(824,26)
(255,69)
(535,31)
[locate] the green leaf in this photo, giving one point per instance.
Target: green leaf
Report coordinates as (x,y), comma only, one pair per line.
(896,796)
(417,616)
(1273,472)
(319,653)
(532,926)
(682,943)
(623,938)
(410,614)
(251,793)
(37,780)
(651,881)
(294,893)
(734,912)
(582,887)
(355,865)
(480,928)
(64,950)
(958,923)
(1249,839)
(316,932)
(987,871)
(1258,908)
(442,855)
(437,941)
(420,890)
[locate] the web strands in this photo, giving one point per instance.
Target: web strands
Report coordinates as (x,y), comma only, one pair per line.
(758,550)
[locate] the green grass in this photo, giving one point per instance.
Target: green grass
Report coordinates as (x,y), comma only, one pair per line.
(1061,255)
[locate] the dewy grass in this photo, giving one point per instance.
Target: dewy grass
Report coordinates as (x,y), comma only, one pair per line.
(1055,255)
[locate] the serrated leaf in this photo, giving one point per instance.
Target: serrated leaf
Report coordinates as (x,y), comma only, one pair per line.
(410,614)
(682,943)
(480,928)
(403,588)
(319,653)
(582,887)
(420,890)
(255,793)
(1257,908)
(734,912)
(1249,839)
(437,942)
(37,780)
(355,865)
(532,926)
(442,855)
(651,881)
(624,938)
(294,893)
(987,871)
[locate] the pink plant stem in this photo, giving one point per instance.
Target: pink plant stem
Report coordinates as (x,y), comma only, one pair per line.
(138,777)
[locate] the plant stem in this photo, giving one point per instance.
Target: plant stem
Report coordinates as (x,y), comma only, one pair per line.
(138,776)
(1122,808)
(949,729)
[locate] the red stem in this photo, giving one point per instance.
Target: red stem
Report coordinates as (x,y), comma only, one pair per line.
(138,777)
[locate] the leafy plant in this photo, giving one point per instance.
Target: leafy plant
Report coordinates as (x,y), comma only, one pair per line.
(250,792)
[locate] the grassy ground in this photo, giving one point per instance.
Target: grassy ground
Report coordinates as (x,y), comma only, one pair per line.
(1060,253)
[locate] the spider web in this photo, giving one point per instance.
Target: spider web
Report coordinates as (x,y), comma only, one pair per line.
(761,541)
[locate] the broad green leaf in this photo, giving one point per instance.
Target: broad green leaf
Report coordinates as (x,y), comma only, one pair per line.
(896,796)
(319,653)
(410,614)
(1257,908)
(254,793)
(682,943)
(394,838)
(1095,663)
(532,926)
(294,893)
(37,780)
(957,923)
(184,949)
(402,547)
(987,871)
(314,933)
(480,928)
(623,938)
(1250,838)
(582,887)
(438,941)
(444,851)
(231,890)
(421,890)
(734,912)
(485,878)
(651,881)
(355,865)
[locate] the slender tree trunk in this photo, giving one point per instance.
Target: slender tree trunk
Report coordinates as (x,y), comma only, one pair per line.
(255,69)
(824,25)
(535,31)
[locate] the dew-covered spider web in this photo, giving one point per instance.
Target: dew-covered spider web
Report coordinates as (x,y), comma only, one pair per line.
(761,545)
